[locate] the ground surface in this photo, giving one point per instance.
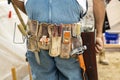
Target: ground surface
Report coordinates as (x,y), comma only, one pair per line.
(12,55)
(111,71)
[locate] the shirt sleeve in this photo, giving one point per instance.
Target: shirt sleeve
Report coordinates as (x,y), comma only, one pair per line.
(23,1)
(83,4)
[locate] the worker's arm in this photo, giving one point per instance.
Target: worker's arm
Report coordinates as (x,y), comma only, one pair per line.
(20,5)
(99,13)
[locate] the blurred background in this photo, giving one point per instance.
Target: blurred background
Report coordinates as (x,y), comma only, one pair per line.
(12,54)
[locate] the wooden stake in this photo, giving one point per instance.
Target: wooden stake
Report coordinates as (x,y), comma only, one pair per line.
(29,70)
(13,70)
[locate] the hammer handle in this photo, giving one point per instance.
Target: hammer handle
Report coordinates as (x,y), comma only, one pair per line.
(18,14)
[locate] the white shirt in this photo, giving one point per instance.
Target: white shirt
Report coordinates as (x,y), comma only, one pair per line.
(83,4)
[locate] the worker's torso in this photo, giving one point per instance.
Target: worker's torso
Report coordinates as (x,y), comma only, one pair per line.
(54,11)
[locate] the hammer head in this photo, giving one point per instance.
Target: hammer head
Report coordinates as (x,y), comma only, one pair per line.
(78,50)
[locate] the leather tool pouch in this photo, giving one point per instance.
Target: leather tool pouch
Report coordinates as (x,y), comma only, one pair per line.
(55,37)
(66,41)
(32,44)
(32,32)
(76,37)
(32,27)
(43,36)
(38,36)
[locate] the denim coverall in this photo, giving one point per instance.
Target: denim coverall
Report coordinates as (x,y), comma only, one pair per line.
(54,11)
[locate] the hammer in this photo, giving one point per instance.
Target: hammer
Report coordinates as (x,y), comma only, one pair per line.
(79,51)
(22,26)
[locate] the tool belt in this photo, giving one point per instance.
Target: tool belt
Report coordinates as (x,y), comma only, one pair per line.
(58,39)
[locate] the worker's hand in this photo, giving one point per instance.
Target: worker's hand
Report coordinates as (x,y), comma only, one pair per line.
(99,44)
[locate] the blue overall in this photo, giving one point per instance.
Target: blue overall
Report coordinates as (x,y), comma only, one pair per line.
(54,11)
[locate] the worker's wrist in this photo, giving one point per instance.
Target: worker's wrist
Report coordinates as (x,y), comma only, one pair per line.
(99,35)
(99,32)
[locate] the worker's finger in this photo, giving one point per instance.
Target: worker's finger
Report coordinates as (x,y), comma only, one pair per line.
(98,48)
(99,44)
